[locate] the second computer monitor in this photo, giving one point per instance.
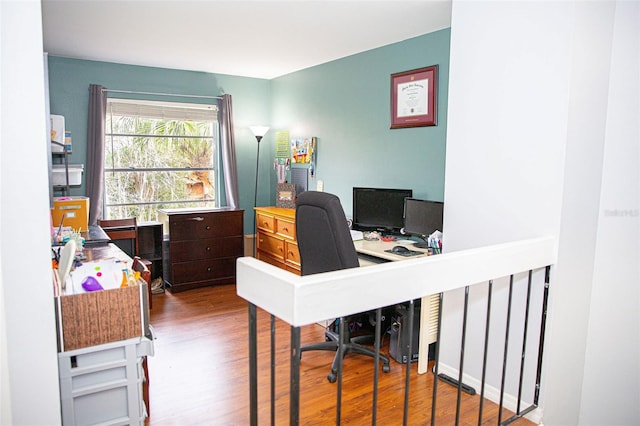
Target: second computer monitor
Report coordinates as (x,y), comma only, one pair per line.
(422,217)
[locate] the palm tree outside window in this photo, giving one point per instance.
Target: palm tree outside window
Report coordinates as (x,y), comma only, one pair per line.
(159,155)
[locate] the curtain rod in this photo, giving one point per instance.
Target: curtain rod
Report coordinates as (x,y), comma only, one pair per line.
(160,94)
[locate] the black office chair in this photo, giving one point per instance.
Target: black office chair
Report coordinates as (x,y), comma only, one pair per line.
(325,245)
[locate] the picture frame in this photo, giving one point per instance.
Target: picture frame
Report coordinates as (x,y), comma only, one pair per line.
(286,195)
(414,98)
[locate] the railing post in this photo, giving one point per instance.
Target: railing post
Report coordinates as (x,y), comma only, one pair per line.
(294,385)
(524,340)
(253,365)
(339,372)
(408,368)
(506,349)
(376,371)
(462,347)
(543,326)
(273,370)
(486,348)
(437,359)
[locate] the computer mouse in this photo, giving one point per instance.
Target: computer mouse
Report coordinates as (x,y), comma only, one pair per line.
(399,250)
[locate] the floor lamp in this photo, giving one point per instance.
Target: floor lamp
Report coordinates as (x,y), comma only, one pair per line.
(258,132)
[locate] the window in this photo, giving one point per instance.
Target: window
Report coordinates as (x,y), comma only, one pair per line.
(159,155)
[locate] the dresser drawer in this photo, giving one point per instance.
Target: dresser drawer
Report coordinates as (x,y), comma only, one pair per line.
(204,225)
(270,260)
(271,245)
(292,253)
(203,270)
(265,223)
(286,228)
(183,251)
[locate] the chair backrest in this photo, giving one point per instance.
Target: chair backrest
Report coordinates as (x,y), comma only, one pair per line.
(139,266)
(323,235)
(122,229)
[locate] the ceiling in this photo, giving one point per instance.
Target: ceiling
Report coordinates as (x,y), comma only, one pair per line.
(261,39)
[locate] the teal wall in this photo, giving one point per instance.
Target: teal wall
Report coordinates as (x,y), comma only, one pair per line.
(69,81)
(344,103)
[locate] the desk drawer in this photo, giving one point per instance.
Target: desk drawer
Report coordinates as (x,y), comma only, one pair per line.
(184,251)
(203,270)
(265,223)
(286,228)
(272,245)
(197,226)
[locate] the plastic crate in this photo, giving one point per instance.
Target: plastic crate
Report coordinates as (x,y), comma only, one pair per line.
(103,384)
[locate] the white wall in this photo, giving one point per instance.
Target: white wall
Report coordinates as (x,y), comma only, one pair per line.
(529,109)
(29,392)
(611,386)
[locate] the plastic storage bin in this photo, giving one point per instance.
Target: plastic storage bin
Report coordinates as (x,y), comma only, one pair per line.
(59,177)
(103,384)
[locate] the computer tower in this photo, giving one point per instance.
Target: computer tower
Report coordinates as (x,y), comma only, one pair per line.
(400,332)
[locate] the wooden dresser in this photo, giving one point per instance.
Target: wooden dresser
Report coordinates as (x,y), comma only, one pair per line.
(276,238)
(203,246)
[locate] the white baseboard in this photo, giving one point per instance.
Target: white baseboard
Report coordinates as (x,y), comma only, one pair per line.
(510,402)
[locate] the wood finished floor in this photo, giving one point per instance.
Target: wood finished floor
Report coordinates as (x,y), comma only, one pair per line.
(199,374)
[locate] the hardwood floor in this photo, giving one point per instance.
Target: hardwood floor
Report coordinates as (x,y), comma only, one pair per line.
(199,373)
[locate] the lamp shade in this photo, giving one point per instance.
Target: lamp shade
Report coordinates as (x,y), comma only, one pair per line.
(259,131)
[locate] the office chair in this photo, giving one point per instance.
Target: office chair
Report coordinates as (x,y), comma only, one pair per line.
(325,245)
(122,229)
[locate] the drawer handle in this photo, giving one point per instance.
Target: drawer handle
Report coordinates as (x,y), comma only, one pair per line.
(286,229)
(197,219)
(209,269)
(208,228)
(208,248)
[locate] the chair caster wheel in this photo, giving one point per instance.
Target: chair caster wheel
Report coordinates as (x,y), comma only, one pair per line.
(331,378)
(386,368)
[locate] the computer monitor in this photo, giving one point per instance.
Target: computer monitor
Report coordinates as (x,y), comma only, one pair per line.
(379,209)
(422,218)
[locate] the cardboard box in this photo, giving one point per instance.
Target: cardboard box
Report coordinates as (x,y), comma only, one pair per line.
(75,211)
(100,317)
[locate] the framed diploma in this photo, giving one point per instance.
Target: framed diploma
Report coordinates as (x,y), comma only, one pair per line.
(413,98)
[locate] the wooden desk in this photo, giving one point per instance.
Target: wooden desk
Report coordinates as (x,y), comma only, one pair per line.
(378,249)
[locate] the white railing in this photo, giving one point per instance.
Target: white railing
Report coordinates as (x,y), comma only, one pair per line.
(303,300)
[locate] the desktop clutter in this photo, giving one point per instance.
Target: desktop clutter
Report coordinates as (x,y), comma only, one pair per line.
(433,244)
(72,273)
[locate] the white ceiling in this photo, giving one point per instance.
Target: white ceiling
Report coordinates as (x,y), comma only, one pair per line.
(262,39)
